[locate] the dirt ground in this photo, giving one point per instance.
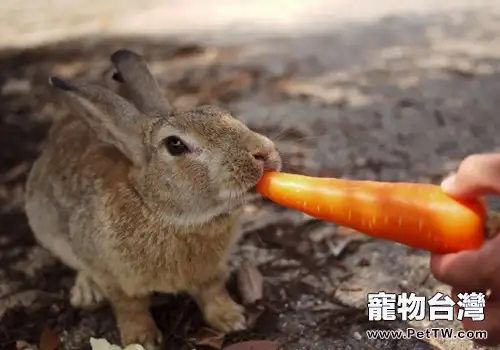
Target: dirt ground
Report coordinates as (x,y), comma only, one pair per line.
(400,99)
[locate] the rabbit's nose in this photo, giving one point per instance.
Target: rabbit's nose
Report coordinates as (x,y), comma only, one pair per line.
(260,156)
(268,160)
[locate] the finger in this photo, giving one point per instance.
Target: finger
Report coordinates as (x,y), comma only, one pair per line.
(469,270)
(477,175)
(490,323)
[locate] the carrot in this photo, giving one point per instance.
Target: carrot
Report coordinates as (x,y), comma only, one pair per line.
(421,216)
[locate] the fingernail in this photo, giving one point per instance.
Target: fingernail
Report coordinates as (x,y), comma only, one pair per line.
(448,184)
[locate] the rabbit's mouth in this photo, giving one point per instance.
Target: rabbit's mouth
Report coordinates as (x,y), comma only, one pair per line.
(252,190)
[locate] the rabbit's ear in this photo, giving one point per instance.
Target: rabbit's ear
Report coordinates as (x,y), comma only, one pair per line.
(143,88)
(112,118)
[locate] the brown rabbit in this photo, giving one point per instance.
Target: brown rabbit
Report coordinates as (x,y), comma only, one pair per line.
(140,198)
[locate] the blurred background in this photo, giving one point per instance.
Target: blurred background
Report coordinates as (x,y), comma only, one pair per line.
(386,90)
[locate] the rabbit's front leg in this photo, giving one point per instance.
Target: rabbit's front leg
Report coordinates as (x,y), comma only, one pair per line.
(134,321)
(85,294)
(219,310)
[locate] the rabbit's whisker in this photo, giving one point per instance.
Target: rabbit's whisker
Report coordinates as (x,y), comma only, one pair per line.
(282,133)
(312,137)
(276,138)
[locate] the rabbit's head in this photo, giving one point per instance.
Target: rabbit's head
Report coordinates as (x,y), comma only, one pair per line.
(194,164)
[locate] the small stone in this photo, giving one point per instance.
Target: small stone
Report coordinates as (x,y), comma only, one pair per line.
(16,87)
(363,262)
(321,233)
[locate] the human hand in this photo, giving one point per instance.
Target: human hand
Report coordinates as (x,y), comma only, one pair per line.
(475,271)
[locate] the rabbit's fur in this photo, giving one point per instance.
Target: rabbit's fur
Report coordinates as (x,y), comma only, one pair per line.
(109,198)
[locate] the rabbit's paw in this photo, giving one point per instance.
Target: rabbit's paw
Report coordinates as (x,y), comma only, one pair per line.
(141,331)
(225,315)
(85,293)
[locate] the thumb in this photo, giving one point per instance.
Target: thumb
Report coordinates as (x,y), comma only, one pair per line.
(472,270)
(477,175)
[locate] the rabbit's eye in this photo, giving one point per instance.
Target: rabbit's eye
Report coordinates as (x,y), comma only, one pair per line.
(175,146)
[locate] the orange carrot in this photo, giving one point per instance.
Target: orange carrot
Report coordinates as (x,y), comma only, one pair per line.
(421,216)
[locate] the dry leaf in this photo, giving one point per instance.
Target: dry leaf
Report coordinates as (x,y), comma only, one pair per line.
(254,345)
(209,337)
(250,283)
(49,340)
(254,314)
(23,345)
(132,347)
(103,344)
(340,243)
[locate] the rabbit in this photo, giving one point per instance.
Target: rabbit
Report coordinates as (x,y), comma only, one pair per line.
(138,197)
